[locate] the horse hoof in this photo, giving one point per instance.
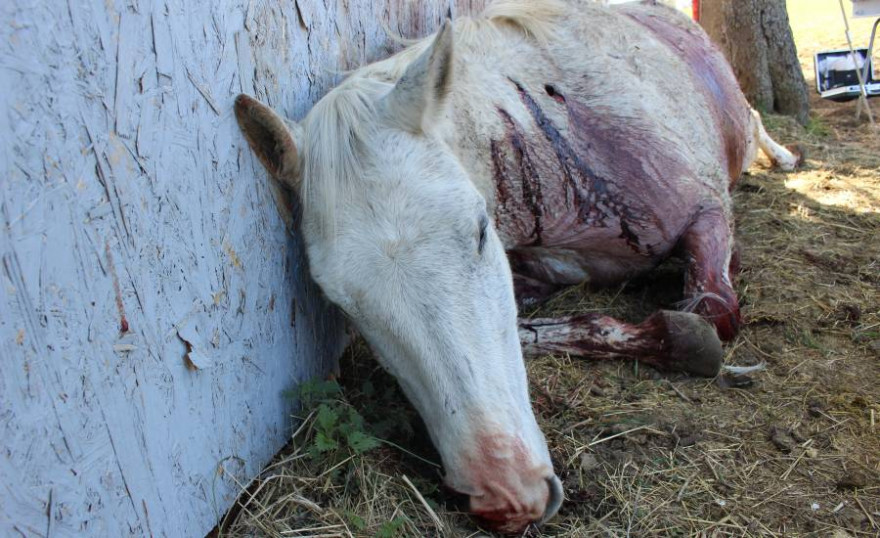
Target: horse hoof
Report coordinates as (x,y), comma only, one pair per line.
(694,345)
(800,154)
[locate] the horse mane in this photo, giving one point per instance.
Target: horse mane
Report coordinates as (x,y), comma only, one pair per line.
(533,18)
(335,130)
(333,134)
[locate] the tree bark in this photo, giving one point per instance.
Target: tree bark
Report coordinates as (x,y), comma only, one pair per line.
(756,38)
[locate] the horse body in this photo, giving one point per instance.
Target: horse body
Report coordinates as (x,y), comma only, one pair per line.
(599,141)
(602,146)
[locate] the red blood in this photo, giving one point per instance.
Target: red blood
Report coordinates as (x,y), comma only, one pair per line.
(513,491)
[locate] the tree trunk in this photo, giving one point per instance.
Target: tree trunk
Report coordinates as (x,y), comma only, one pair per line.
(756,38)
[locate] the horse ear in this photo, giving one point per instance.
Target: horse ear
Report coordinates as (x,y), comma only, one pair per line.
(269,137)
(421,93)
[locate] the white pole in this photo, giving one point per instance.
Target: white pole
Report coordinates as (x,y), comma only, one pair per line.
(863,94)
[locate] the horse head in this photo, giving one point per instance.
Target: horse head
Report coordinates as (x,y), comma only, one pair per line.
(400,239)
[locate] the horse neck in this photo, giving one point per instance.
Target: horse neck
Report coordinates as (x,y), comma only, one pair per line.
(468,134)
(476,122)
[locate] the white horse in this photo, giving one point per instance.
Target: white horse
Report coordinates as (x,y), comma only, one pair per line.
(584,142)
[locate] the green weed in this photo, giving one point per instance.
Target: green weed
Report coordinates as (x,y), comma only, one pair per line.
(339,429)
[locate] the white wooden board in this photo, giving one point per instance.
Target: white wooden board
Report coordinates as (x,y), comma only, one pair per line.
(128,197)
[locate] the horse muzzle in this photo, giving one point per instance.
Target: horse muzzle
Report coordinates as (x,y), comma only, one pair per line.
(510,486)
(505,510)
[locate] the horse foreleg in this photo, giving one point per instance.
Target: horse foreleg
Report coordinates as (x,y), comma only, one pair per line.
(667,340)
(707,247)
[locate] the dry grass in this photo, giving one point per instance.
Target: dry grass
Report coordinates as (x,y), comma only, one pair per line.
(792,451)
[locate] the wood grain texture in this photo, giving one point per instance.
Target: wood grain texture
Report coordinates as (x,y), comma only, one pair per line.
(153,308)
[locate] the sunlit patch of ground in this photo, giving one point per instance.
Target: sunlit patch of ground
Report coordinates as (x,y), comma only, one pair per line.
(855,192)
(790,451)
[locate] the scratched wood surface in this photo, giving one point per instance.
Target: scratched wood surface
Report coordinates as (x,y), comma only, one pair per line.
(153,308)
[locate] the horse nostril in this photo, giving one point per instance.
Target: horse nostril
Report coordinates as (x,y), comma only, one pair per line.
(555,500)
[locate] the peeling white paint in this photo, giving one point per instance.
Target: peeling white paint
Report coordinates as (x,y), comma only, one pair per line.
(137,230)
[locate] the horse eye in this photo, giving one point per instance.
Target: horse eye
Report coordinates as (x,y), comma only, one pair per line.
(484,223)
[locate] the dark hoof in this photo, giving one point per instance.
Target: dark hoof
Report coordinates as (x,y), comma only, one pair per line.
(694,345)
(799,152)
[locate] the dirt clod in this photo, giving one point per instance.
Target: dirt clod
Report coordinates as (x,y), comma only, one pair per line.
(782,439)
(849,312)
(589,462)
(853,479)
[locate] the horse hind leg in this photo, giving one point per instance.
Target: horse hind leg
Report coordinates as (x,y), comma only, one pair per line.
(708,250)
(785,158)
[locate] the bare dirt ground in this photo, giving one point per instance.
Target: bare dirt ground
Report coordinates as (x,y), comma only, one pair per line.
(793,450)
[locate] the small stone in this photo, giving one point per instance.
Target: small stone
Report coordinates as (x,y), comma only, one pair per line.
(688,440)
(589,462)
(815,507)
(811,453)
(731,381)
(771,347)
(851,517)
(853,479)
(781,439)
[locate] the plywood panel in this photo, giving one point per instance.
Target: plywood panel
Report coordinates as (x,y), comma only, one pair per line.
(153,308)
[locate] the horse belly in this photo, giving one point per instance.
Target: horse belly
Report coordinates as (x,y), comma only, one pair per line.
(588,195)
